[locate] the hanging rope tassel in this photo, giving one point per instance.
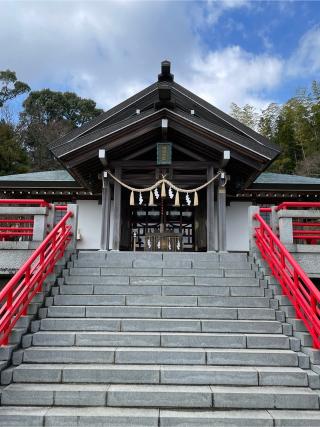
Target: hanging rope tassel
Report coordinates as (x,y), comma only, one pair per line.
(177,199)
(151,201)
(196,199)
(163,190)
(132,198)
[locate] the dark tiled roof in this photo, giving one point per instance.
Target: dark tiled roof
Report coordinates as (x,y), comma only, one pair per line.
(215,119)
(97,134)
(224,116)
(103,116)
(245,141)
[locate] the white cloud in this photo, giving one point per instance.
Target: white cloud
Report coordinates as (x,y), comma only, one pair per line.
(306,59)
(215,8)
(234,75)
(109,50)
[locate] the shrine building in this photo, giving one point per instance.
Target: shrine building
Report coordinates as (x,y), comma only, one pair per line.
(163,171)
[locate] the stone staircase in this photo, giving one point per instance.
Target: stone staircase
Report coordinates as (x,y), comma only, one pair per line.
(151,339)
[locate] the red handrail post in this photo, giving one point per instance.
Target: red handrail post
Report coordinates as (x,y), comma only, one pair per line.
(294,282)
(21,288)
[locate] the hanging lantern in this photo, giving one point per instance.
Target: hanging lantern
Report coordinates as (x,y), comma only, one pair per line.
(196,199)
(163,190)
(151,201)
(177,199)
(132,198)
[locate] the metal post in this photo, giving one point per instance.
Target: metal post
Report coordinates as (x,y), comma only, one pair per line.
(105,217)
(222,212)
(117,212)
(210,211)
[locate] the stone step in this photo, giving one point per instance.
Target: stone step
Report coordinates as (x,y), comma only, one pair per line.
(77,416)
(216,301)
(125,255)
(104,311)
(142,417)
(157,339)
(170,290)
(159,263)
(71,300)
(240,418)
(161,325)
(160,396)
(161,312)
(161,280)
(245,291)
(155,355)
(215,396)
(161,269)
(155,374)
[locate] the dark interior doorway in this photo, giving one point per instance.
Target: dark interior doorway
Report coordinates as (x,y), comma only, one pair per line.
(176,219)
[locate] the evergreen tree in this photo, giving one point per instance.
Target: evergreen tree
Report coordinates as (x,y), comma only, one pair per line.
(13,159)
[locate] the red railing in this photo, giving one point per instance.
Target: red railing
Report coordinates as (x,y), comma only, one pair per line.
(301,205)
(266,210)
(301,229)
(40,202)
(18,228)
(19,291)
(295,283)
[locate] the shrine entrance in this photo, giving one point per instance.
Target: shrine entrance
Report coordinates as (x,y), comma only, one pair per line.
(163,227)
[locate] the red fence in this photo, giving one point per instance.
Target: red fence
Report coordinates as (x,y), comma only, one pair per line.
(15,228)
(19,291)
(295,283)
(12,228)
(42,203)
(298,205)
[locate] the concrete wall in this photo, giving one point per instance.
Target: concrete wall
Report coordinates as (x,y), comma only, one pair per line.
(237,226)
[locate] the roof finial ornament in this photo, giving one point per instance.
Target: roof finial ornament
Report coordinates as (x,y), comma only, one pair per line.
(165,75)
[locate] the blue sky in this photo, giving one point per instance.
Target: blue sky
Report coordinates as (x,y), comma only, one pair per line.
(225,51)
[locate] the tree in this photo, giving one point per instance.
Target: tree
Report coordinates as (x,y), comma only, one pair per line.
(46,106)
(246,115)
(310,166)
(268,121)
(10,87)
(47,116)
(13,159)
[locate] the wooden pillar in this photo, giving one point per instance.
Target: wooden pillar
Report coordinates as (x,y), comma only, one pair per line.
(106,212)
(222,212)
(117,212)
(210,210)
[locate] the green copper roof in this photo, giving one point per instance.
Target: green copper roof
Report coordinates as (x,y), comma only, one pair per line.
(63,176)
(56,176)
(279,178)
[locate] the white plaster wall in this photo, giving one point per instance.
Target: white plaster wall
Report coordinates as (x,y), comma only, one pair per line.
(89,224)
(237,226)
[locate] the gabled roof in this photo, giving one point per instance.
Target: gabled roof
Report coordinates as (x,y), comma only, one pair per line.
(137,121)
